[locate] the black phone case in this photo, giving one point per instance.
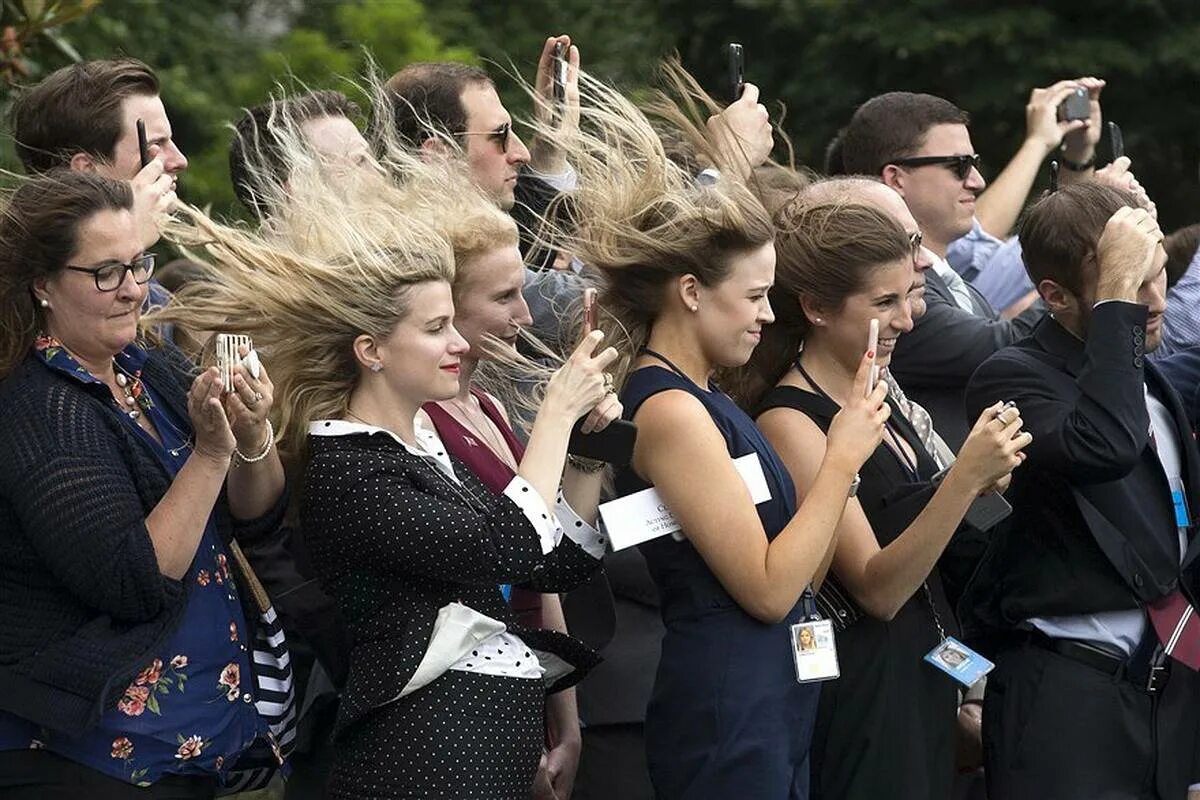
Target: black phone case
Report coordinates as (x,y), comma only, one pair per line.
(614,444)
(987,511)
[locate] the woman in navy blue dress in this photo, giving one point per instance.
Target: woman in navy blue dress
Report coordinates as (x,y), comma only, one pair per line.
(685,267)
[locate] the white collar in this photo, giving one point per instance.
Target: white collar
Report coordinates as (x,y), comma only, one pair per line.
(429,444)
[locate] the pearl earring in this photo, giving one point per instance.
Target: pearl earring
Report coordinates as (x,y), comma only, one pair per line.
(376,367)
(44,303)
(817,319)
(695,308)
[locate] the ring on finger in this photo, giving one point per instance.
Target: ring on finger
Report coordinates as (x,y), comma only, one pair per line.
(608,383)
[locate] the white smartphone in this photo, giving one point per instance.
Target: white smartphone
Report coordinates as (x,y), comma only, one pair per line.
(228,357)
(872,346)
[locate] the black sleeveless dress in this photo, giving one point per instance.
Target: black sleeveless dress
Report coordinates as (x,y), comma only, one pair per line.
(886,727)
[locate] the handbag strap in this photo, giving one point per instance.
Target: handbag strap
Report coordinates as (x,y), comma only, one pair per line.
(261,600)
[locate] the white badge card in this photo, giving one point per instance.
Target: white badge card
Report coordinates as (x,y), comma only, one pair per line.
(815,651)
(959,661)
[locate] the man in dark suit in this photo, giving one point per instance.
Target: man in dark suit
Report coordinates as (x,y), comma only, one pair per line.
(919,145)
(1084,598)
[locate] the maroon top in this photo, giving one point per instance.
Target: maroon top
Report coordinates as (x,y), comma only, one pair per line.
(466,446)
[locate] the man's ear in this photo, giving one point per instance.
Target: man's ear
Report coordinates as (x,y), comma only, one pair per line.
(893,176)
(1057,299)
(434,148)
(82,162)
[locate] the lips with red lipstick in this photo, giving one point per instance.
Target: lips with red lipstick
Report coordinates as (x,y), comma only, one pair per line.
(451,368)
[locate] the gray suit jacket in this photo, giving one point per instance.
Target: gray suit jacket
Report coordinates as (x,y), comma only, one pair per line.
(935,359)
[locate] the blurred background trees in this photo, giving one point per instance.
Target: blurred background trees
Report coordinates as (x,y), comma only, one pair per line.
(817,58)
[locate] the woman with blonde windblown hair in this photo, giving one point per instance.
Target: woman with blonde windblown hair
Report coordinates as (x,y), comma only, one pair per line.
(353,303)
(685,267)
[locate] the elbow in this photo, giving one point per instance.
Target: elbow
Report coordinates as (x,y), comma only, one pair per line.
(769,611)
(877,606)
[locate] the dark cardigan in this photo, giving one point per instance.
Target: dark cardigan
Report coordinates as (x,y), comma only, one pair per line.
(83,604)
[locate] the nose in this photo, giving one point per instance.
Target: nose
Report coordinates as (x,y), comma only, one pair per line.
(457,344)
(518,153)
(923,261)
(174,161)
(129,289)
(766,314)
(975,181)
(904,321)
(523,317)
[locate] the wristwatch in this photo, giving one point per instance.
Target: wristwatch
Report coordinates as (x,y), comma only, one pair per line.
(854,485)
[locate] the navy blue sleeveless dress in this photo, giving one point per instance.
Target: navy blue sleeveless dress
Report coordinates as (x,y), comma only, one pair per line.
(727,718)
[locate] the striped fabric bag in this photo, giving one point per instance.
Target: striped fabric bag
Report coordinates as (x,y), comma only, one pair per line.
(275,694)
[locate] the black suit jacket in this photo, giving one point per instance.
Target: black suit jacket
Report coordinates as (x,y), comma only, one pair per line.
(1093,527)
(393,543)
(935,359)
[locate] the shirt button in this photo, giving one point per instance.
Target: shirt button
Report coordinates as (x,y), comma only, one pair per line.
(1137,579)
(246,698)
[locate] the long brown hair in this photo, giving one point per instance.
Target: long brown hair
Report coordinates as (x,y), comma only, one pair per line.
(39,231)
(825,252)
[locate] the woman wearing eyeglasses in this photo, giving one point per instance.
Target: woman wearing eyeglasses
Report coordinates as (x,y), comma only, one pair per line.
(124,649)
(885,728)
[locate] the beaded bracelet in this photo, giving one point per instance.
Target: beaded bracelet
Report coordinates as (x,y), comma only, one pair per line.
(585,465)
(241,458)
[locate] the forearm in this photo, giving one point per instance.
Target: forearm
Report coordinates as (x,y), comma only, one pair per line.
(178,521)
(997,208)
(546,452)
(582,491)
(897,571)
(562,712)
(253,488)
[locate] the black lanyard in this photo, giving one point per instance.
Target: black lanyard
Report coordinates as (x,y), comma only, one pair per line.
(670,364)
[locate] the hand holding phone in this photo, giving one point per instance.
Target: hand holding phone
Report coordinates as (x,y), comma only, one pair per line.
(143,147)
(872,346)
(737,76)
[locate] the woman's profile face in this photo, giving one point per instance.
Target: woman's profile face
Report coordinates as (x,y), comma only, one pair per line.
(885,297)
(87,320)
(731,315)
(488,299)
(421,357)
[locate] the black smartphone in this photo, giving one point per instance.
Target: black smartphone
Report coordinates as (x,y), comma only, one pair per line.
(559,75)
(1116,140)
(737,70)
(143,148)
(986,511)
(1053,176)
(1076,106)
(614,444)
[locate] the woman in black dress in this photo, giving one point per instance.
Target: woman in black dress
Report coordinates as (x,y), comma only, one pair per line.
(886,727)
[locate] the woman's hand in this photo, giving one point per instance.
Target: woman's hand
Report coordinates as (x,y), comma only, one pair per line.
(857,429)
(992,449)
(249,404)
(581,385)
(608,409)
(214,437)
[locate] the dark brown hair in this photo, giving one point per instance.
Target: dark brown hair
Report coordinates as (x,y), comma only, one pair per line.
(426,99)
(1061,231)
(77,109)
(256,140)
(892,126)
(39,231)
(824,252)
(1181,246)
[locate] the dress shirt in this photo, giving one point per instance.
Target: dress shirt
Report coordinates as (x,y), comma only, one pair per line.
(968,254)
(1181,323)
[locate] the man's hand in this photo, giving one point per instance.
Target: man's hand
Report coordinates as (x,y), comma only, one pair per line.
(741,134)
(1119,176)
(1042,125)
(153,198)
(1125,253)
(546,154)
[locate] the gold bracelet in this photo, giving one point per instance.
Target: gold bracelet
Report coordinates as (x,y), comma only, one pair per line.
(585,465)
(241,458)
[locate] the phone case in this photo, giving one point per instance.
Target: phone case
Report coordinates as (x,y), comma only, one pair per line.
(614,444)
(227,345)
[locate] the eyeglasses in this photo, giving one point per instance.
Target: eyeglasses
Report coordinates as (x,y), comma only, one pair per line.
(111,274)
(500,136)
(961,166)
(914,244)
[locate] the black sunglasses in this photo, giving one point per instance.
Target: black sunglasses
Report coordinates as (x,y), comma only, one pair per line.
(500,136)
(110,275)
(961,166)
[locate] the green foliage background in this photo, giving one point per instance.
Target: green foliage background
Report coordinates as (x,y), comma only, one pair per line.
(818,58)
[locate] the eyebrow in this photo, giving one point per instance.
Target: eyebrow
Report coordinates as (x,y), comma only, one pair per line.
(435,320)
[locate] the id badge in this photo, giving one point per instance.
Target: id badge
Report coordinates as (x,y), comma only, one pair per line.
(959,661)
(1183,519)
(814,651)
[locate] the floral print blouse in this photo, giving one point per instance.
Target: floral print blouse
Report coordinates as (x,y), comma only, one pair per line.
(190,709)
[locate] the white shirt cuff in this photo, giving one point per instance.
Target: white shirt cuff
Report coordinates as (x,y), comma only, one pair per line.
(586,536)
(530,502)
(563,182)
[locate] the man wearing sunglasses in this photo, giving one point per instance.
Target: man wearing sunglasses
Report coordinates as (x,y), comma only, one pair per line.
(919,145)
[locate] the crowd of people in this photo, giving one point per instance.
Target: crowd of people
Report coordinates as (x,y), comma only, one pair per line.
(927,448)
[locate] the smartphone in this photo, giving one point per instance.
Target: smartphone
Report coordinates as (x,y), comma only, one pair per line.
(559,75)
(872,346)
(1076,106)
(229,356)
(1053,176)
(589,310)
(1116,140)
(614,444)
(987,510)
(143,148)
(737,70)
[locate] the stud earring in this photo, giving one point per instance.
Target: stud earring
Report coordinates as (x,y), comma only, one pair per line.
(695,308)
(817,320)
(376,367)
(44,303)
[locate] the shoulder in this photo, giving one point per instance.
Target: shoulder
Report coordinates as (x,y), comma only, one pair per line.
(37,405)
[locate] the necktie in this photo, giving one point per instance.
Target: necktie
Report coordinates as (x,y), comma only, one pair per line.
(921,421)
